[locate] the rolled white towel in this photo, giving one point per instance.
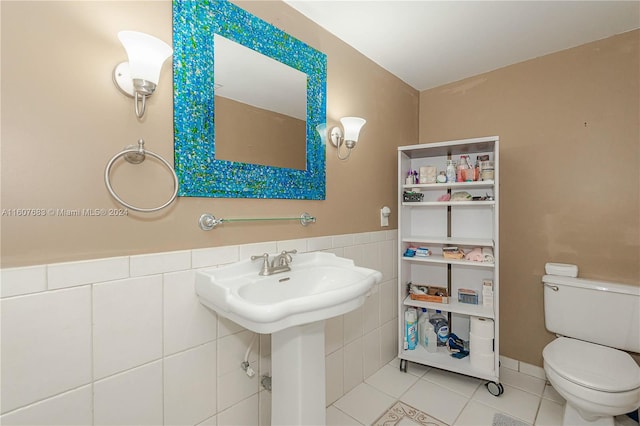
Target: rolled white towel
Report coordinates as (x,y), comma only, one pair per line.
(487,255)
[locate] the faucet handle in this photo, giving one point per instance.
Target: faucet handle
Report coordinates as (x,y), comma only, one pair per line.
(262,256)
(285,256)
(265,264)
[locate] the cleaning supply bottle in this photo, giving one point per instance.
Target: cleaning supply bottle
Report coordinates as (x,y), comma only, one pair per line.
(441,327)
(427,336)
(411,328)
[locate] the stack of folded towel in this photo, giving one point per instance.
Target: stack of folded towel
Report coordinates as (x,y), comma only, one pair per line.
(484,254)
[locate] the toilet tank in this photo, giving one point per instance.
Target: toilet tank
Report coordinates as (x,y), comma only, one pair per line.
(596,311)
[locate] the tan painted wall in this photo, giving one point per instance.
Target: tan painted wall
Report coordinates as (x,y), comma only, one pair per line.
(63,119)
(569,167)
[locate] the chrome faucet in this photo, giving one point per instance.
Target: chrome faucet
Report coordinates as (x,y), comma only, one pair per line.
(277,265)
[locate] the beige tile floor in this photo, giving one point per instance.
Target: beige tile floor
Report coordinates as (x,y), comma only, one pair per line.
(451,399)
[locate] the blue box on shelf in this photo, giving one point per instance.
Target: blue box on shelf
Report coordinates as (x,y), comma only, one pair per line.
(467,296)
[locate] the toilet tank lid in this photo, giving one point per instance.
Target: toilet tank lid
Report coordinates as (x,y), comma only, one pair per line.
(592,366)
(592,284)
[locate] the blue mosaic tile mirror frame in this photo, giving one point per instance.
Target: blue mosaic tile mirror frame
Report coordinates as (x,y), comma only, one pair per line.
(199,173)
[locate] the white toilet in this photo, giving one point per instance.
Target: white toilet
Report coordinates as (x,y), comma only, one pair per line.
(591,318)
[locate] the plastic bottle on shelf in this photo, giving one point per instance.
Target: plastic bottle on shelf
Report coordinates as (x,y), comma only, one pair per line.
(426,334)
(461,171)
(423,320)
(441,327)
(466,169)
(476,170)
(451,171)
(411,328)
(409,179)
(431,338)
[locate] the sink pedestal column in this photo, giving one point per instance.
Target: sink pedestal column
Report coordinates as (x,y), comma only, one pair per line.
(297,375)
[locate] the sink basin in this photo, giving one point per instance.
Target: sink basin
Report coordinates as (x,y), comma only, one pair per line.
(320,285)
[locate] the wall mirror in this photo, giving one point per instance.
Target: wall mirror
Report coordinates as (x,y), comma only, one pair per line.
(253,88)
(247,100)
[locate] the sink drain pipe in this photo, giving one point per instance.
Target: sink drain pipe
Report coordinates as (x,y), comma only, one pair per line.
(245,364)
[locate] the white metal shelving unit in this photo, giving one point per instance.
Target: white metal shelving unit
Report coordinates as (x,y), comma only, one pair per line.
(437,224)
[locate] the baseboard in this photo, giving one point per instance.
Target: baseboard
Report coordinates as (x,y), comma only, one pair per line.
(522,367)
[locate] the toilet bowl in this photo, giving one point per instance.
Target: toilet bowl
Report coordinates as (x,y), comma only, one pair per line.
(597,382)
(596,322)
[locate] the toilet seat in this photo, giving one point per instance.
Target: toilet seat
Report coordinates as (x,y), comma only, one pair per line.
(593,366)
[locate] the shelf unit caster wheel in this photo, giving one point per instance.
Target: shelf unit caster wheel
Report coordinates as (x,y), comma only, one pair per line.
(403,365)
(495,389)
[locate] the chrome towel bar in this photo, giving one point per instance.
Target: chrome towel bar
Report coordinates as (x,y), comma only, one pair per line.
(208,221)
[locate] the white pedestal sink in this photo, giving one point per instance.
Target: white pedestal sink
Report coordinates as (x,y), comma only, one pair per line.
(292,306)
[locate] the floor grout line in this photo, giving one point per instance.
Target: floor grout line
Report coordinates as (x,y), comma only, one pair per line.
(467,404)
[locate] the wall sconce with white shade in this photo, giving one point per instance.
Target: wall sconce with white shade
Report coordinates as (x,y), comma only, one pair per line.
(347,137)
(139,77)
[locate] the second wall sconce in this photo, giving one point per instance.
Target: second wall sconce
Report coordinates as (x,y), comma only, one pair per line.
(347,137)
(139,77)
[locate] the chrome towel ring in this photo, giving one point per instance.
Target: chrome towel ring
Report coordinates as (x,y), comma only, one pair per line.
(136,155)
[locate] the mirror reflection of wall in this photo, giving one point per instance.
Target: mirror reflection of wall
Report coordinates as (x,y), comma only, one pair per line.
(260,108)
(247,134)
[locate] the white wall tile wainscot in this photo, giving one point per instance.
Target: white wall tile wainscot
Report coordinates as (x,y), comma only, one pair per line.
(124,340)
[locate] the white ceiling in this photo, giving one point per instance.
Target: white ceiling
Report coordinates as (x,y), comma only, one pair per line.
(430,43)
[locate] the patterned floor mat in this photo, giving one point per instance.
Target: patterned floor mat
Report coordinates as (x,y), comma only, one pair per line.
(406,415)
